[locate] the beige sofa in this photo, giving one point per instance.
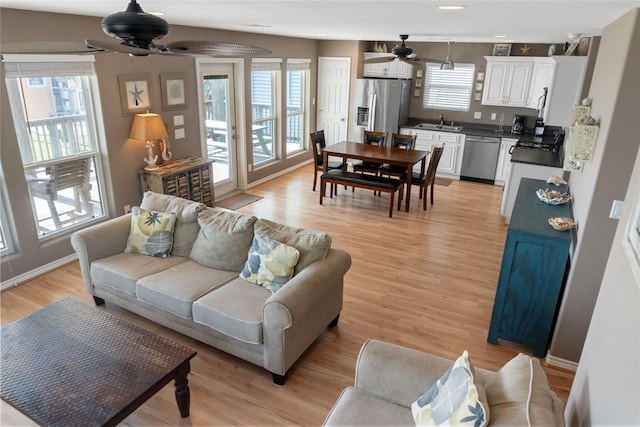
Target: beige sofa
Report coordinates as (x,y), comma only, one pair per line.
(389,378)
(197,290)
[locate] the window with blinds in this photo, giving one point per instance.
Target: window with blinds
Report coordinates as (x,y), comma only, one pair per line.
(448,89)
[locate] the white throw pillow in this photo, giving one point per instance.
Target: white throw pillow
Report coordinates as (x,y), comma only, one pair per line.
(151,232)
(270,263)
(453,400)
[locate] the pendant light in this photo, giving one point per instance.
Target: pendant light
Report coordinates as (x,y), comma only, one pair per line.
(447,64)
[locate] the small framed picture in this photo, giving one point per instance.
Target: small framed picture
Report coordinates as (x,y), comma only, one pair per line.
(172,87)
(501,49)
(416,92)
(480,76)
(135,93)
(418,83)
(477,96)
(478,86)
(419,73)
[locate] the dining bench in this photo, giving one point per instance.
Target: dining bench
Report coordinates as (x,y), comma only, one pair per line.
(371,182)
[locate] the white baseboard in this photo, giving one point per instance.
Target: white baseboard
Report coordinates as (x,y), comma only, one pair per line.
(282,172)
(15,281)
(561,363)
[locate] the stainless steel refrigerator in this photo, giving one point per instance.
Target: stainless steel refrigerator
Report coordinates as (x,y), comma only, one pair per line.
(380,105)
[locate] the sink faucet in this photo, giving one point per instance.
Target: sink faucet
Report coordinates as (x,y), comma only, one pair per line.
(441,119)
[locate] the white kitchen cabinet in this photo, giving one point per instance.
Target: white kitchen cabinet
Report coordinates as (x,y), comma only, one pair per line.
(450,164)
(540,78)
(564,76)
(565,89)
(507,81)
(395,69)
(504,161)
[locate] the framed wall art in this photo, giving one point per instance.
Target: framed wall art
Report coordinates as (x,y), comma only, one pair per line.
(501,49)
(173,91)
(135,93)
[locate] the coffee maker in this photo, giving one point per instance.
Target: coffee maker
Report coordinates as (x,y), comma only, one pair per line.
(518,125)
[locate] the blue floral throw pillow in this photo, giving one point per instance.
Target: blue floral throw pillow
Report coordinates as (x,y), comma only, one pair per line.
(453,400)
(151,232)
(270,263)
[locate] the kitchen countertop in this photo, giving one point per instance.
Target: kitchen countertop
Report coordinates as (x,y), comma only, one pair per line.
(520,154)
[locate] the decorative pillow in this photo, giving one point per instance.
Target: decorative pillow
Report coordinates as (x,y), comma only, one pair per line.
(186,211)
(453,400)
(151,232)
(519,394)
(312,245)
(223,240)
(270,263)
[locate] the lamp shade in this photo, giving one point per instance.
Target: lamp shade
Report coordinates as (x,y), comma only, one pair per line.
(148,127)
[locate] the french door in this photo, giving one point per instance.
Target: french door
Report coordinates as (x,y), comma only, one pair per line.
(218,104)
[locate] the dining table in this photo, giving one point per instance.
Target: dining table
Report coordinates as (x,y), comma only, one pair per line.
(378,154)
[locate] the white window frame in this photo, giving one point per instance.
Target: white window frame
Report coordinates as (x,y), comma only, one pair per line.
(448,89)
(28,66)
(274,65)
(303,65)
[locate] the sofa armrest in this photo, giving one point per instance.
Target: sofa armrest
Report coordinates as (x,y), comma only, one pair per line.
(397,374)
(306,288)
(100,241)
(301,310)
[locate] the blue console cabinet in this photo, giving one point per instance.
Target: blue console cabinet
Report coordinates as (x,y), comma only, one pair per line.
(532,271)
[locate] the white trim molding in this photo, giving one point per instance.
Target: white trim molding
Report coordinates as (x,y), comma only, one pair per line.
(15,281)
(561,363)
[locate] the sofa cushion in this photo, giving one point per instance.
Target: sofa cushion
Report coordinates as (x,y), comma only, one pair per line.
(312,245)
(122,271)
(223,240)
(186,212)
(454,399)
(358,407)
(235,309)
(176,288)
(151,232)
(270,264)
(520,387)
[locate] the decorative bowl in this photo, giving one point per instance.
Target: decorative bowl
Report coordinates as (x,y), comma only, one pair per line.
(553,197)
(562,223)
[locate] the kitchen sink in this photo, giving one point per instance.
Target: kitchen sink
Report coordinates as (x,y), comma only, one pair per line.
(438,127)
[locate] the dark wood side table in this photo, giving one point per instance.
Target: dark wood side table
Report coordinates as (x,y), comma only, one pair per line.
(73,364)
(532,272)
(190,178)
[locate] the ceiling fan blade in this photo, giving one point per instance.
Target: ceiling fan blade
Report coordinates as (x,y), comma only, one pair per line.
(213,49)
(114,46)
(419,60)
(380,59)
(48,47)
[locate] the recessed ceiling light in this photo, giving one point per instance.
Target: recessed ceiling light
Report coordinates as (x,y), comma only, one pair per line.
(500,37)
(451,7)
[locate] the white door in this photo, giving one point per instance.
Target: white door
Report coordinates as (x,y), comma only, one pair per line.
(333,98)
(217,102)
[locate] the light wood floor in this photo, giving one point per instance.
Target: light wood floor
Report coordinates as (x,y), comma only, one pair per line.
(425,280)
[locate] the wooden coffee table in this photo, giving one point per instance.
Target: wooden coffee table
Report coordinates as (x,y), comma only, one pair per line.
(73,364)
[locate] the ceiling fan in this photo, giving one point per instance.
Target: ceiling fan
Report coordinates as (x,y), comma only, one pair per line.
(401,52)
(135,33)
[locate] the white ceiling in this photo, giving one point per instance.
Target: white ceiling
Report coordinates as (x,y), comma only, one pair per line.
(519,20)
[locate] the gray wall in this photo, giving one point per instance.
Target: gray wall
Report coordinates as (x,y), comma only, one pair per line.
(616,96)
(605,389)
(123,157)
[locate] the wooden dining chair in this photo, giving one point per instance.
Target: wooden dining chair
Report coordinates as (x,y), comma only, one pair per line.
(373,138)
(403,141)
(429,177)
(318,142)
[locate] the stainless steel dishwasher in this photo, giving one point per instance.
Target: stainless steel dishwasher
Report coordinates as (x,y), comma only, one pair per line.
(480,158)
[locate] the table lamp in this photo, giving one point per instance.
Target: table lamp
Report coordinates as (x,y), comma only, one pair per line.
(148,127)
